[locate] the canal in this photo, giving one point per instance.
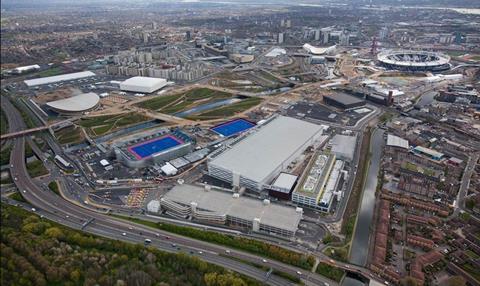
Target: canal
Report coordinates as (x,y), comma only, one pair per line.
(359,251)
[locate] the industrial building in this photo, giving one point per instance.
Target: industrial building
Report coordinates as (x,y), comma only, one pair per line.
(319,182)
(217,207)
(155,148)
(75,104)
(143,84)
(255,159)
(343,146)
(343,101)
(58,78)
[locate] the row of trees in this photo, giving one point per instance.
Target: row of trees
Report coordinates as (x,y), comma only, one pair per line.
(251,245)
(39,252)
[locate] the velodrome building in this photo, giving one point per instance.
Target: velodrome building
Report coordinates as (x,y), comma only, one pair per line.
(256,158)
(76,104)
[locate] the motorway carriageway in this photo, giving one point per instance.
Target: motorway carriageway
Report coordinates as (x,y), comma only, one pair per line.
(74,216)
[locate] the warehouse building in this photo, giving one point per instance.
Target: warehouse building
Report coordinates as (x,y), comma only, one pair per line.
(343,101)
(255,159)
(143,84)
(217,207)
(58,78)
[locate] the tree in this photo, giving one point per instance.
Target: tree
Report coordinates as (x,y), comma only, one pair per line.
(408,281)
(470,203)
(456,281)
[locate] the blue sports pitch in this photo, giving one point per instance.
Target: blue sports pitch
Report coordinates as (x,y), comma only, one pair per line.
(146,149)
(233,127)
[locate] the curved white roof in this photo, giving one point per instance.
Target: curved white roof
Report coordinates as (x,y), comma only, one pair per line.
(77,103)
(399,58)
(318,51)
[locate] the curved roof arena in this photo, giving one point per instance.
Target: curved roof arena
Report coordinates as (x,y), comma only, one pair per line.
(78,103)
(413,59)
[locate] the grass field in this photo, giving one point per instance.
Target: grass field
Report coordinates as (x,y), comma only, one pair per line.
(329,271)
(99,125)
(69,135)
(229,110)
(36,169)
(179,102)
(3,122)
(172,104)
(50,72)
(53,186)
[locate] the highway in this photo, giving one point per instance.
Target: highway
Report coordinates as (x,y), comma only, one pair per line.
(53,206)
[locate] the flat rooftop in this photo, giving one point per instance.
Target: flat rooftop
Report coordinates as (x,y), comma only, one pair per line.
(286,218)
(316,176)
(264,151)
(344,98)
(58,78)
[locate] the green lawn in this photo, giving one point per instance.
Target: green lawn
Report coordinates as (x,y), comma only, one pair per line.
(330,272)
(5,156)
(100,125)
(3,122)
(36,169)
(69,135)
(53,186)
(18,197)
(170,104)
(50,72)
(227,111)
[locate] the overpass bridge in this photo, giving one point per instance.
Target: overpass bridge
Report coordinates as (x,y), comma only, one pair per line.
(32,130)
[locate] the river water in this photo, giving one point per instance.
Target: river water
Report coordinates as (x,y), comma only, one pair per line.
(359,252)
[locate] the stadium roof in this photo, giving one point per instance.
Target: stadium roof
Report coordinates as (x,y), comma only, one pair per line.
(344,98)
(413,58)
(263,152)
(77,103)
(396,141)
(58,78)
(242,207)
(143,84)
(318,51)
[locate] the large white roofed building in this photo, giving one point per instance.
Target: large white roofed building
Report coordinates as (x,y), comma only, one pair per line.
(58,78)
(75,104)
(255,159)
(143,84)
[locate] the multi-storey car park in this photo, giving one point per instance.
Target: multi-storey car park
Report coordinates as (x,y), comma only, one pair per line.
(414,61)
(218,207)
(254,159)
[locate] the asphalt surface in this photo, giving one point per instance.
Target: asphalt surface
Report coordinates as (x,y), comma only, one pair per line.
(56,208)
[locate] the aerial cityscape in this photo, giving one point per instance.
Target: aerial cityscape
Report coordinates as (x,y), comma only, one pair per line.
(239,142)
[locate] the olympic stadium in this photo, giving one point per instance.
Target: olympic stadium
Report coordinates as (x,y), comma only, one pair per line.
(414,61)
